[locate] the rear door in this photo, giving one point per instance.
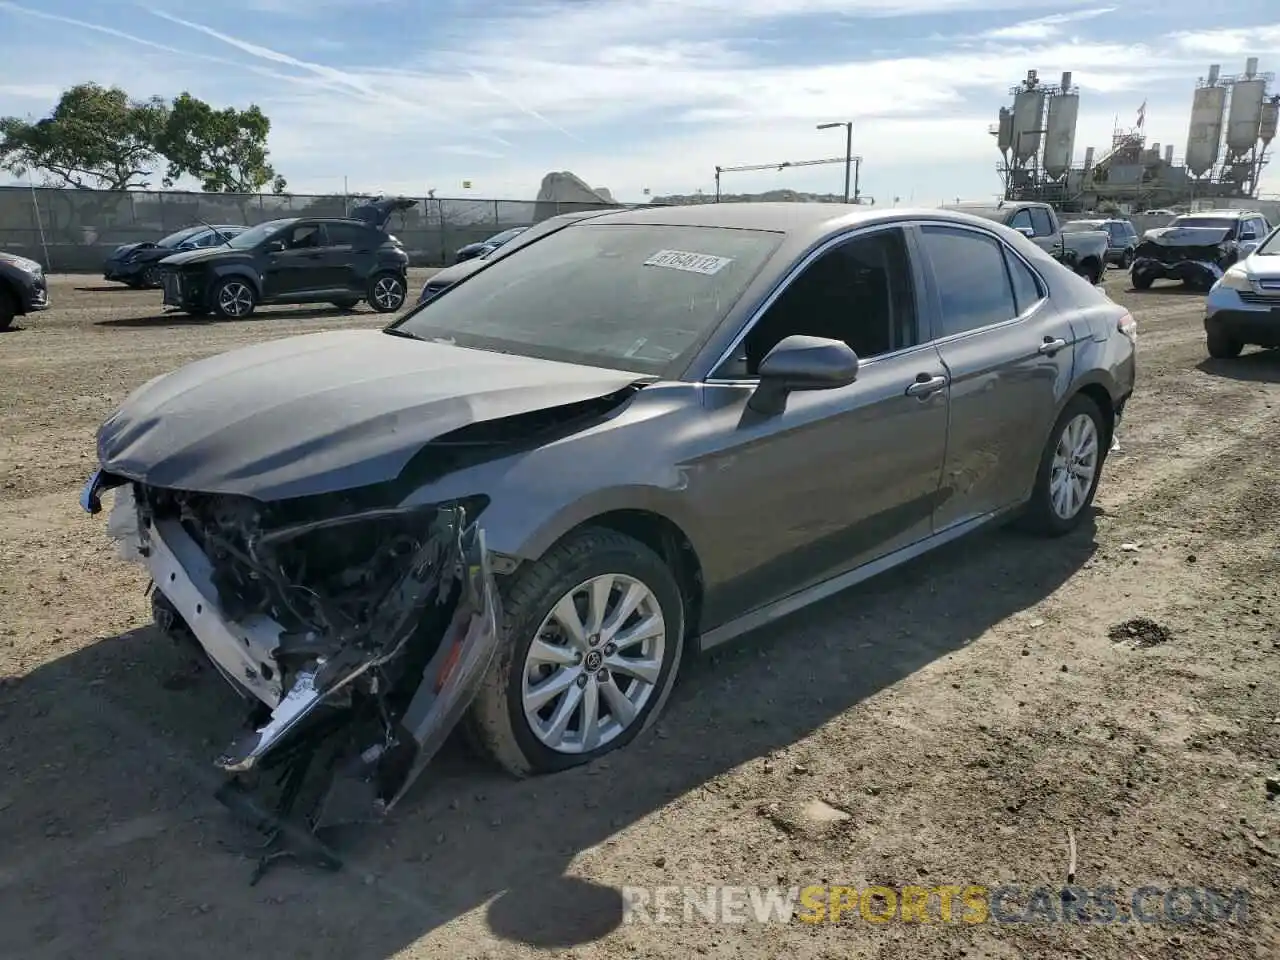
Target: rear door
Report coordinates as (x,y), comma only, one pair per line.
(1008,356)
(351,251)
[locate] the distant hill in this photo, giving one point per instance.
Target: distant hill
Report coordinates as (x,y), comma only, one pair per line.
(771,196)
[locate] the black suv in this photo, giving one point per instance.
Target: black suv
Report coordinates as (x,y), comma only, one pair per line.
(297,260)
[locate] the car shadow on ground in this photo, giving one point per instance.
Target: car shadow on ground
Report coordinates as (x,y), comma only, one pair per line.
(176,319)
(1169,286)
(1260,366)
(112,840)
(114,288)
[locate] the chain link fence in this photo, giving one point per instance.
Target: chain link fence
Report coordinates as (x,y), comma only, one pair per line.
(74,231)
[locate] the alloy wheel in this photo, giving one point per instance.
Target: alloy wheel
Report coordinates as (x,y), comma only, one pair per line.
(389,293)
(1075,464)
(594,664)
(235,299)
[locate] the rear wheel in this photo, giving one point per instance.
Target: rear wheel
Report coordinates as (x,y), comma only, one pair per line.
(592,639)
(1126,260)
(386,292)
(1091,270)
(151,277)
(1221,346)
(1141,280)
(1070,468)
(346,304)
(234,299)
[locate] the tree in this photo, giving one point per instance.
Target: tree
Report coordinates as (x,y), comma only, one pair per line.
(96,138)
(226,150)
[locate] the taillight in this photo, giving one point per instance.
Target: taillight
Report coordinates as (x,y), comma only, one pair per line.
(1129,328)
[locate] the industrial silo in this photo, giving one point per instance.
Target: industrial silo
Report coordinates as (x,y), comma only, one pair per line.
(1245,116)
(1060,130)
(1205,134)
(1028,108)
(1267,126)
(1004,131)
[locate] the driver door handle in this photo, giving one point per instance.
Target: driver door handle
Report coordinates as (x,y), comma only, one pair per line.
(926,385)
(1052,346)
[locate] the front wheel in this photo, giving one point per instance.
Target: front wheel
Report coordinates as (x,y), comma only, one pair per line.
(1221,346)
(1141,280)
(234,299)
(386,292)
(1070,468)
(592,638)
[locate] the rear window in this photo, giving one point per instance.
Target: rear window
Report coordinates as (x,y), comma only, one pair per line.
(639,297)
(1081,226)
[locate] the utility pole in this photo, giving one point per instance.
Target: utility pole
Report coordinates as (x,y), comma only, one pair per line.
(848,154)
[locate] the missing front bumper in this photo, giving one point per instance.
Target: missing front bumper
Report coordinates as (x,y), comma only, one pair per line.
(381,702)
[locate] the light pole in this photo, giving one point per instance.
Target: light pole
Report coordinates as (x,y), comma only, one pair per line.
(848,149)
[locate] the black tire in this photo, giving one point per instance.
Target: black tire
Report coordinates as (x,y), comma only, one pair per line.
(1221,346)
(1126,260)
(387,291)
(496,723)
(1091,270)
(243,292)
(1040,516)
(1141,280)
(8,309)
(150,278)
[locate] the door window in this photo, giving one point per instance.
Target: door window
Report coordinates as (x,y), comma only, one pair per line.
(1022,221)
(1040,220)
(1117,232)
(859,292)
(1027,288)
(347,235)
(973,282)
(304,237)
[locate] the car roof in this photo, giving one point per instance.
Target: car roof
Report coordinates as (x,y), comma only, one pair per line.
(1222,213)
(802,221)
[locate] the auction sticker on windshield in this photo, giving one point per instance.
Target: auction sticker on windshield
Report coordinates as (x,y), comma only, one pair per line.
(703,263)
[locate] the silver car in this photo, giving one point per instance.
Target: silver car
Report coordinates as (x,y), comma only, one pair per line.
(1243,307)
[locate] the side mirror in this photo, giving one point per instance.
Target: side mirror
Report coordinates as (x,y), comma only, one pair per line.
(802,363)
(275,246)
(1028,232)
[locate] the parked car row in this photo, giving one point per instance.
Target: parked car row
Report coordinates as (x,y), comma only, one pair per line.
(23,288)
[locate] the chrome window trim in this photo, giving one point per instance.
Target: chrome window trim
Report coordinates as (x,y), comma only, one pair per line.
(792,274)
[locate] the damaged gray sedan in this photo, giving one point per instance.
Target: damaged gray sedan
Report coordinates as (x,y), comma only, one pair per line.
(654,428)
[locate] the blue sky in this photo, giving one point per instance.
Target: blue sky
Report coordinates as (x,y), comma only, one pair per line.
(408,95)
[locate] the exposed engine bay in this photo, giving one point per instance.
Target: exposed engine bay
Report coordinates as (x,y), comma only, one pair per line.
(358,635)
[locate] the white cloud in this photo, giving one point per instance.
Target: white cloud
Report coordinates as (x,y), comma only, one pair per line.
(655,93)
(1043,28)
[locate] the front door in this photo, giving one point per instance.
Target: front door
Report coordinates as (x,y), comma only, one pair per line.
(301,266)
(841,476)
(1009,358)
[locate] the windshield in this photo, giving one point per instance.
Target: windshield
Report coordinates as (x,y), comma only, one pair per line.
(173,239)
(638,297)
(1081,226)
(1212,223)
(256,235)
(1270,247)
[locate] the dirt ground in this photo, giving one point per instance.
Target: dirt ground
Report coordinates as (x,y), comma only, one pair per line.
(967,712)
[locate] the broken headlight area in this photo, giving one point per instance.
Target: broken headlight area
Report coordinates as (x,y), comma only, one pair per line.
(361,634)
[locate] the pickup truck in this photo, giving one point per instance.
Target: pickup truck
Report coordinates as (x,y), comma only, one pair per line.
(1083,251)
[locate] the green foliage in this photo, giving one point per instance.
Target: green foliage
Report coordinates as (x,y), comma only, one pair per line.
(95,138)
(226,150)
(98,138)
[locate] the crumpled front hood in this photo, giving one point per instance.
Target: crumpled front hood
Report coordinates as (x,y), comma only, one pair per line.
(125,249)
(1187,236)
(324,412)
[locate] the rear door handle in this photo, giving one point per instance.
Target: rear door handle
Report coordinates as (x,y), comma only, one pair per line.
(926,385)
(1052,346)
